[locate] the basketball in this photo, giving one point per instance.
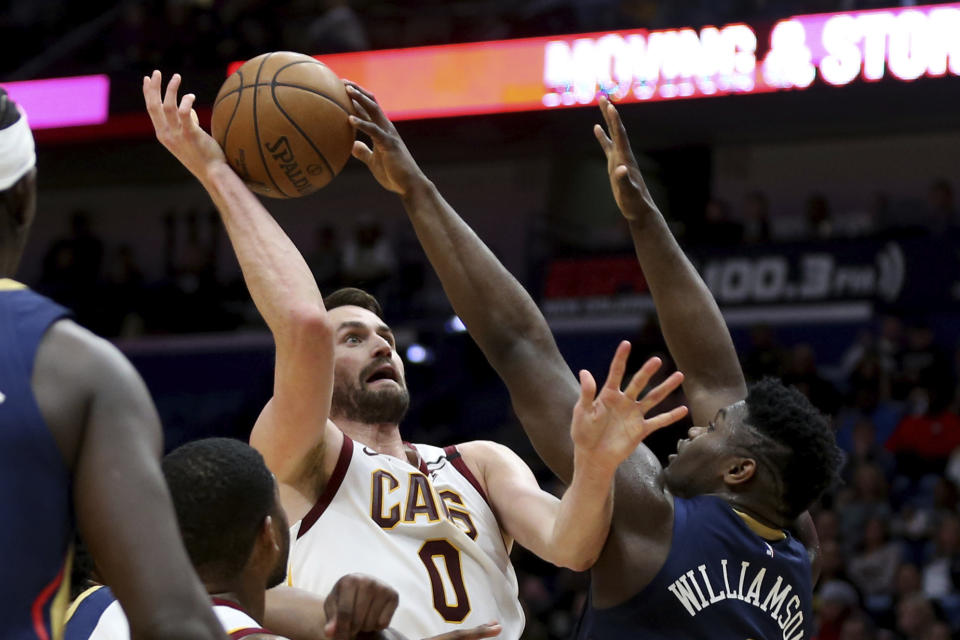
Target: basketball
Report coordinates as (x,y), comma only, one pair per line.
(281,120)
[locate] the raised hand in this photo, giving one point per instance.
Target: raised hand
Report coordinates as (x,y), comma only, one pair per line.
(389,160)
(177,126)
(629,189)
(357,604)
(609,425)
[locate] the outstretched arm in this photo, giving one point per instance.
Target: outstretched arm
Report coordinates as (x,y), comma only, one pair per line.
(90,394)
(292,427)
(692,325)
(690,319)
(500,315)
(606,428)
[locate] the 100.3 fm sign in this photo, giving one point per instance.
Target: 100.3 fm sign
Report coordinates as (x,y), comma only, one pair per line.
(829,281)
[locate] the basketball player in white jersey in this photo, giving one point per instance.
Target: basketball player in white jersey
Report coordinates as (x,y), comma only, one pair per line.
(237,537)
(436,523)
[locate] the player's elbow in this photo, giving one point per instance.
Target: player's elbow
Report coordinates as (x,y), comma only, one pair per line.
(309,323)
(578,560)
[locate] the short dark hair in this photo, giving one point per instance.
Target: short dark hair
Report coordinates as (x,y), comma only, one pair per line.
(221,491)
(807,459)
(353,297)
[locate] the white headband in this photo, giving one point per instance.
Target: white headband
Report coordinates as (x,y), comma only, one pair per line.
(17,155)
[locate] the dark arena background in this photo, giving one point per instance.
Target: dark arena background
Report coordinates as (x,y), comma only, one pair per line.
(806,152)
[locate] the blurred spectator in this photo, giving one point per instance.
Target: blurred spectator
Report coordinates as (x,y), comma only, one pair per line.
(923,364)
(765,356)
(828,527)
(837,601)
(833,565)
(865,499)
(368,257)
(71,271)
(819,220)
(325,259)
(124,294)
(923,442)
(942,211)
(756,218)
(801,372)
(858,626)
(874,569)
(940,572)
(333,26)
(717,228)
(866,448)
(915,617)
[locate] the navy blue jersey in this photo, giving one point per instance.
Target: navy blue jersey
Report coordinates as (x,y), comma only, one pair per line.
(722,580)
(87,611)
(36,521)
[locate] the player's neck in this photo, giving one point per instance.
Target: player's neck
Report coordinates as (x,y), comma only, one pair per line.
(764,514)
(381,437)
(250,598)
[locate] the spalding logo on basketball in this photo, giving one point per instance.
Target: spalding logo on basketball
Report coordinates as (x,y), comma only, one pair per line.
(281,120)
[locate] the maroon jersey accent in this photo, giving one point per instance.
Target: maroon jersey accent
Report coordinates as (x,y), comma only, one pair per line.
(422,464)
(456,459)
(241,633)
(333,485)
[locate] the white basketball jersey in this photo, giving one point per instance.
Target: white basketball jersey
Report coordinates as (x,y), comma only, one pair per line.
(112,623)
(428,532)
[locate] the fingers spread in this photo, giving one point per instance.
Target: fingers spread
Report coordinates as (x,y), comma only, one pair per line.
(368,102)
(665,419)
(151,97)
(617,366)
(186,106)
(369,128)
(350,84)
(588,388)
(661,391)
(170,99)
(362,152)
(359,110)
(605,143)
(642,377)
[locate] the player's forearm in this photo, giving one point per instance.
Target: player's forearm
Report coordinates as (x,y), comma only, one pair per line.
(294,613)
(495,307)
(503,320)
(690,319)
(277,276)
(583,516)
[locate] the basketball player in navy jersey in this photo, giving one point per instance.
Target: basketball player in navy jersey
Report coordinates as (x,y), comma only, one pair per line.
(701,548)
(78,435)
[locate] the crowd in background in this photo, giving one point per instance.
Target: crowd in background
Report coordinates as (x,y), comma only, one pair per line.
(110,292)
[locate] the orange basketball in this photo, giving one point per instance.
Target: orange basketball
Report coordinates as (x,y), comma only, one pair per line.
(281,119)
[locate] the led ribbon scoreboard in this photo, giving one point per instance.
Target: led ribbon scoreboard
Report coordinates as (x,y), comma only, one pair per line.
(639,65)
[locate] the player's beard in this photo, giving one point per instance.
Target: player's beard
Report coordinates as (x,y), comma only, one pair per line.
(353,401)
